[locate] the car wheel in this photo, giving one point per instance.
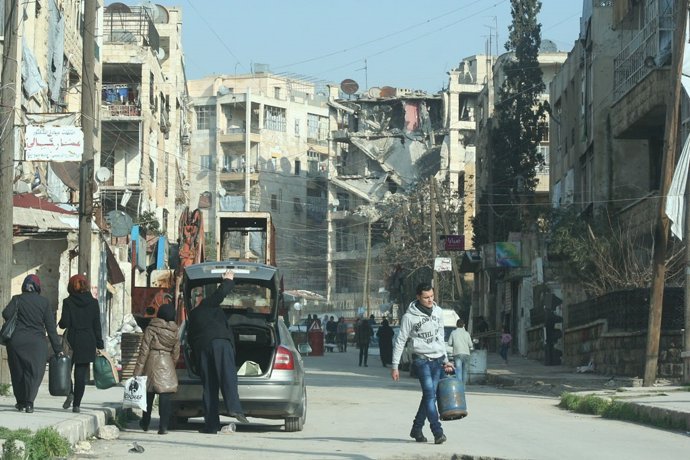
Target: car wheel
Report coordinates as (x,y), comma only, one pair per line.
(293,424)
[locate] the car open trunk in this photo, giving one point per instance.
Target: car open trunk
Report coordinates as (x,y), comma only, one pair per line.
(254,340)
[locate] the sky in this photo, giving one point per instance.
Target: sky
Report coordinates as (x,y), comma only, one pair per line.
(399,43)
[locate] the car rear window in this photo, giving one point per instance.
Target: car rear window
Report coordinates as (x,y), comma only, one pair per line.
(248,297)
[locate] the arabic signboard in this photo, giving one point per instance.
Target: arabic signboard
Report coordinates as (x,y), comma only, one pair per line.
(54,143)
(453,242)
(443,264)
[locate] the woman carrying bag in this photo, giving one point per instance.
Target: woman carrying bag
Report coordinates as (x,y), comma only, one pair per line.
(158,353)
(27,350)
(81,316)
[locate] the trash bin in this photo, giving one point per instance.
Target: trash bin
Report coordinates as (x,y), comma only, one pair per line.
(477,368)
(315,337)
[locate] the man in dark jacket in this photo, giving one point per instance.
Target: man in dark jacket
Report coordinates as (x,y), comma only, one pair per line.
(364,333)
(212,344)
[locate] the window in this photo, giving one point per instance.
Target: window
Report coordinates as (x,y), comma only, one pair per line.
(205,117)
(275,119)
(298,167)
(152,170)
(297,127)
(274,202)
(297,206)
(317,127)
(205,162)
(276,92)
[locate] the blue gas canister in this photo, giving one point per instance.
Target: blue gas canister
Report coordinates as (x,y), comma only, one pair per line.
(450,397)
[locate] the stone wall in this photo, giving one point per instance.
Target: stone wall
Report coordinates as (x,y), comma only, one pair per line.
(621,353)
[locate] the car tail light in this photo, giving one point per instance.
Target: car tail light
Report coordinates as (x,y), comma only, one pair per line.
(284,359)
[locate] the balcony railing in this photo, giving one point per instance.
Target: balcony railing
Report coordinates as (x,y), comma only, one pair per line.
(645,51)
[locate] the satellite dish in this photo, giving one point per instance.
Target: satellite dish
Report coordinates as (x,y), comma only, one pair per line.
(374,92)
(160,54)
(102,175)
(297,306)
(185,185)
(221,191)
(117,7)
(349,86)
(162,15)
(387,91)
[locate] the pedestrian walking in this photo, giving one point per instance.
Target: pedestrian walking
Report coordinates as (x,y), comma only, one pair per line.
(27,350)
(364,333)
(423,323)
(341,331)
(81,319)
(211,341)
(158,354)
(331,332)
(385,335)
(506,338)
(462,345)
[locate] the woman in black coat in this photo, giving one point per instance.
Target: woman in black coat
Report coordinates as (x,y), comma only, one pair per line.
(27,351)
(385,335)
(81,317)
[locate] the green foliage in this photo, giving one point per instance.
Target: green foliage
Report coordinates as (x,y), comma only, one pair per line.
(518,125)
(5,389)
(589,404)
(47,443)
(148,221)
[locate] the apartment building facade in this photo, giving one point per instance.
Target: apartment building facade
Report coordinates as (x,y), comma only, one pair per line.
(260,142)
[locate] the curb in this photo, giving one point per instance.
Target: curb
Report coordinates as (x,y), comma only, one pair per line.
(86,425)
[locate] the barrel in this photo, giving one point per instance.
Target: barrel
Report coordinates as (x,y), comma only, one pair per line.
(477,367)
(316,342)
(59,375)
(450,397)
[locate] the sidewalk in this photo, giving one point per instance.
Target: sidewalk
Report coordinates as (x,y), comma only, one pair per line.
(661,402)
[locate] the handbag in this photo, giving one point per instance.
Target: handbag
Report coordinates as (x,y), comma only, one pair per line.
(135,393)
(104,372)
(8,328)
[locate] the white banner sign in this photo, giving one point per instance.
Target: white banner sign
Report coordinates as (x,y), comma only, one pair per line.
(443,264)
(54,143)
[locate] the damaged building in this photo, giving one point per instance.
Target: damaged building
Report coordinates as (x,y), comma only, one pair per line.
(386,142)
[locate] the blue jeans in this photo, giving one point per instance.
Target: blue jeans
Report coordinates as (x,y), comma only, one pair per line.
(429,373)
(462,367)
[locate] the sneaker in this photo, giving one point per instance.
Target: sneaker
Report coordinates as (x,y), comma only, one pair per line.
(418,436)
(68,401)
(440,439)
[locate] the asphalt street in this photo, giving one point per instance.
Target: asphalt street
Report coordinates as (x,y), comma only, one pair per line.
(360,413)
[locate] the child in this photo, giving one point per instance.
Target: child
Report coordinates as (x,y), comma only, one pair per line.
(506,338)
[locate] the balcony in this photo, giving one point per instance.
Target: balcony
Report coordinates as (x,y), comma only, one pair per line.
(239,135)
(238,175)
(645,52)
(120,111)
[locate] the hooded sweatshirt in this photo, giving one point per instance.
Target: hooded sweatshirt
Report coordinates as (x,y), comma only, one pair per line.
(425,330)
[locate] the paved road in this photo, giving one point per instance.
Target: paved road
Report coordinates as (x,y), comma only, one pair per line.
(360,413)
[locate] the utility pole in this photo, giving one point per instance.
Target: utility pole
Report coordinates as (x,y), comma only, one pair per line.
(7,131)
(662,223)
(447,231)
(685,354)
(365,299)
(88,95)
(434,249)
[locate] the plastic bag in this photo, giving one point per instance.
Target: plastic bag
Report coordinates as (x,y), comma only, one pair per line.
(105,373)
(135,393)
(249,368)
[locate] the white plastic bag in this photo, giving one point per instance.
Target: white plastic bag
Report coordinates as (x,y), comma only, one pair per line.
(249,368)
(135,393)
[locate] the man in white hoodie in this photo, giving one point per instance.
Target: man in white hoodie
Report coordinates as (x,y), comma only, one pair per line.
(423,324)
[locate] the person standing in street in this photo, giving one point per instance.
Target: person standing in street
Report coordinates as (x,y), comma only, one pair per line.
(331,331)
(506,338)
(211,341)
(423,323)
(342,334)
(462,345)
(158,354)
(385,335)
(81,319)
(364,333)
(27,350)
